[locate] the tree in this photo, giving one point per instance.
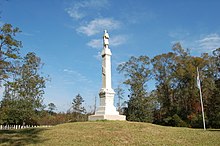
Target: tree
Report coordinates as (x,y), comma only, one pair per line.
(137,72)
(23,96)
(78,108)
(9,50)
(51,107)
(163,69)
(176,89)
(216,61)
(120,94)
(213,110)
(213,103)
(77,104)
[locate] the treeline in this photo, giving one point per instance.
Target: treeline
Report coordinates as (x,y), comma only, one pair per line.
(24,84)
(76,113)
(21,80)
(175,100)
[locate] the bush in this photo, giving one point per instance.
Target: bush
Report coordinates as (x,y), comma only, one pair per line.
(175,121)
(196,121)
(178,122)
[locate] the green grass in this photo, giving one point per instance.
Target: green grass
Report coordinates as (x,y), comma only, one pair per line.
(110,133)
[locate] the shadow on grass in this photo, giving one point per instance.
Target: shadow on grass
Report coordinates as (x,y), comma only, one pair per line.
(21,137)
(214,130)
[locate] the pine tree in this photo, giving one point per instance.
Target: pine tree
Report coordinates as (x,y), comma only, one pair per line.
(78,108)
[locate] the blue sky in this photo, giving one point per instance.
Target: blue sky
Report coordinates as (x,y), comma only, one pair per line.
(67,35)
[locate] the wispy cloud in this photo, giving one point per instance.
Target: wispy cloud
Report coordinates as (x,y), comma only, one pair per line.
(118,40)
(204,44)
(80,9)
(114,41)
(73,77)
(97,25)
(68,71)
(179,34)
(95,43)
(73,12)
(26,34)
(209,42)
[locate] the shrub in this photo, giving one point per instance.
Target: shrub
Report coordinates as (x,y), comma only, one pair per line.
(175,121)
(178,122)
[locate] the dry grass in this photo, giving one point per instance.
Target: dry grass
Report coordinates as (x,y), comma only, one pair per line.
(110,133)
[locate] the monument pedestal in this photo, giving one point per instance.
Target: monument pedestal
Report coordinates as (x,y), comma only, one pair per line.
(106,110)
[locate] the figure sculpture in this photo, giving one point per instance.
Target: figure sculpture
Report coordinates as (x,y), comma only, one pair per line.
(106,39)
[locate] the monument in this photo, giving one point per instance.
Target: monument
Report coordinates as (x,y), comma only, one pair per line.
(106,109)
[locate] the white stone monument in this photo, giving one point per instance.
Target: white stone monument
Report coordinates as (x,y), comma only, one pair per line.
(106,109)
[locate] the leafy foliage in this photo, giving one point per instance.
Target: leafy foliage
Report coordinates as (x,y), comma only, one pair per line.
(137,73)
(23,95)
(78,109)
(9,50)
(175,101)
(77,104)
(51,107)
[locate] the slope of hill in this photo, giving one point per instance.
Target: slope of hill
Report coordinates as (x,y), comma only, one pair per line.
(110,133)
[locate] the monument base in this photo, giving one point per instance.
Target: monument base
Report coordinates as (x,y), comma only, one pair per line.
(107,117)
(107,110)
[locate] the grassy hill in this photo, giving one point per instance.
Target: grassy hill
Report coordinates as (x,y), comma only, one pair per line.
(110,133)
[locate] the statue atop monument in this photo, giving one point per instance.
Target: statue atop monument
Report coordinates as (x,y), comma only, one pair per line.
(105,39)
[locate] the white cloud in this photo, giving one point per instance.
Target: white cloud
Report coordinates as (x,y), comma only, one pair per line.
(79,9)
(68,71)
(114,41)
(204,44)
(95,43)
(209,42)
(74,76)
(73,12)
(97,25)
(117,40)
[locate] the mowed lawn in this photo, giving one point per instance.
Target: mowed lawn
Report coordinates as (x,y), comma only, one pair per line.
(110,133)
